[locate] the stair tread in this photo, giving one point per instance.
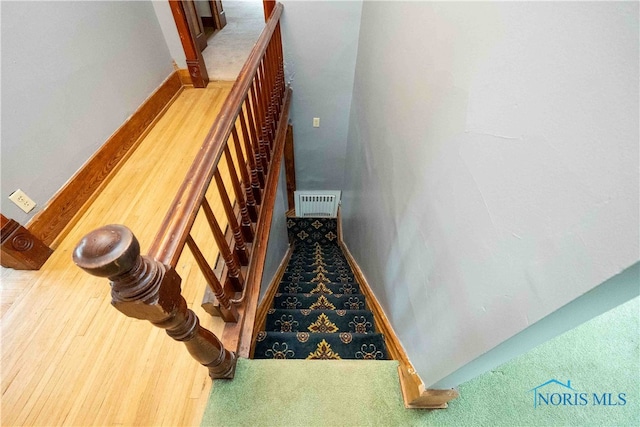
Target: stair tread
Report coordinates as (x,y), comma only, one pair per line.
(318,288)
(318,311)
(320,321)
(317,269)
(320,301)
(318,277)
(296,345)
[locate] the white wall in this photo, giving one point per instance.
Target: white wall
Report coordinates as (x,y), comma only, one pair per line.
(72,73)
(320,45)
(493,148)
(170,32)
(278,240)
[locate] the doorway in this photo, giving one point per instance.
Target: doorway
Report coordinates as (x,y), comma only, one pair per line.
(228,49)
(237,28)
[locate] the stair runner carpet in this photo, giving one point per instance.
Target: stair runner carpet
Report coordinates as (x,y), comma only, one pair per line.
(318,311)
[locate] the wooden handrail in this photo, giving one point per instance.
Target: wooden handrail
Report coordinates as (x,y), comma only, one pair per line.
(145,289)
(169,242)
(148,287)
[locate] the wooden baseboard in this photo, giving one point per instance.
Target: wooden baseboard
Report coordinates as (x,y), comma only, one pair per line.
(185,77)
(52,223)
(265,305)
(414,393)
(416,396)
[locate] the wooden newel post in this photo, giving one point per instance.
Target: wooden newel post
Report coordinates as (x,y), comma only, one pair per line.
(144,288)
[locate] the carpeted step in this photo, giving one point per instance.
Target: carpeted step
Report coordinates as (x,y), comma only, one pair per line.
(313,230)
(324,262)
(299,245)
(318,259)
(305,345)
(318,312)
(314,249)
(319,277)
(320,321)
(319,301)
(315,269)
(318,288)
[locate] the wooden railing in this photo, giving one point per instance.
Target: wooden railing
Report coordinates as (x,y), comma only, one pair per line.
(249,132)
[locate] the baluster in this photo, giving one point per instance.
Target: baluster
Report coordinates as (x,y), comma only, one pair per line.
(280,69)
(253,112)
(275,98)
(281,82)
(265,140)
(228,311)
(241,250)
(255,182)
(259,157)
(144,288)
(245,223)
(274,91)
(269,95)
(265,147)
(259,115)
(270,67)
(233,263)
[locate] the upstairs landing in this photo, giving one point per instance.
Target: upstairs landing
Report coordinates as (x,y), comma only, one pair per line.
(355,393)
(69,357)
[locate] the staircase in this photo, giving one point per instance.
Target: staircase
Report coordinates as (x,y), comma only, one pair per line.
(318,311)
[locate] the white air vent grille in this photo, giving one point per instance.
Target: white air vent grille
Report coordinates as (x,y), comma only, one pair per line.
(317,203)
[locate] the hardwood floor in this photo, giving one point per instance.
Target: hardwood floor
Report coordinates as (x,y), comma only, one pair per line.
(68,357)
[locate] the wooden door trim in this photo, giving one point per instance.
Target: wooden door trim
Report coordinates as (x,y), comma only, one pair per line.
(195,60)
(268,6)
(218,14)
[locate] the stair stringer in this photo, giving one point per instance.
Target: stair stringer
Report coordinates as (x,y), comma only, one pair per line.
(265,304)
(414,393)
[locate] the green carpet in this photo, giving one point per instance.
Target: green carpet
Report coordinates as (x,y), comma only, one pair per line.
(600,356)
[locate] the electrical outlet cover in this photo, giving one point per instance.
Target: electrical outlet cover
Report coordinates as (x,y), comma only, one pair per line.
(23,201)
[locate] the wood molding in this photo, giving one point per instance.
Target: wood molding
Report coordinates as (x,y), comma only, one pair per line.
(416,396)
(219,15)
(414,393)
(194,58)
(21,250)
(238,336)
(268,6)
(61,212)
(185,77)
(290,168)
(265,305)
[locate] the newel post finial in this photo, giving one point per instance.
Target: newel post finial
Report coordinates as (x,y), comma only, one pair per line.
(108,251)
(144,288)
